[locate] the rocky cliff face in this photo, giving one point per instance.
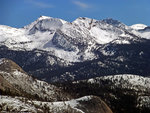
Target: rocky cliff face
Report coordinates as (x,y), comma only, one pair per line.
(14,78)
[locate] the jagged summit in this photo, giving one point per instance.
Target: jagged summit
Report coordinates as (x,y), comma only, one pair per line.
(83,19)
(44,17)
(114,22)
(84,22)
(111,21)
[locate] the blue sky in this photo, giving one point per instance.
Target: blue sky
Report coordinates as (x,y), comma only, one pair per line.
(18,13)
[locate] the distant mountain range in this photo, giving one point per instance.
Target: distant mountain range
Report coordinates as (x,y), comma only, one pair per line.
(49,45)
(104,58)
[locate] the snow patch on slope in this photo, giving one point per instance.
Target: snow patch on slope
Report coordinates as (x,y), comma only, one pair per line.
(23,105)
(9,33)
(102,36)
(15,104)
(126,80)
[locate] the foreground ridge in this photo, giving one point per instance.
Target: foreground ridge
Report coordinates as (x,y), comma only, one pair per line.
(23,93)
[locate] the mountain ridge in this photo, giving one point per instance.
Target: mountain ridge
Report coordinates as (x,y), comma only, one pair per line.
(57,45)
(20,92)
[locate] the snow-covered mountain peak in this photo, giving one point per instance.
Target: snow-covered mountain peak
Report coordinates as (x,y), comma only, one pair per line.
(44,17)
(44,23)
(138,26)
(141,30)
(112,21)
(84,22)
(51,18)
(115,23)
(82,19)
